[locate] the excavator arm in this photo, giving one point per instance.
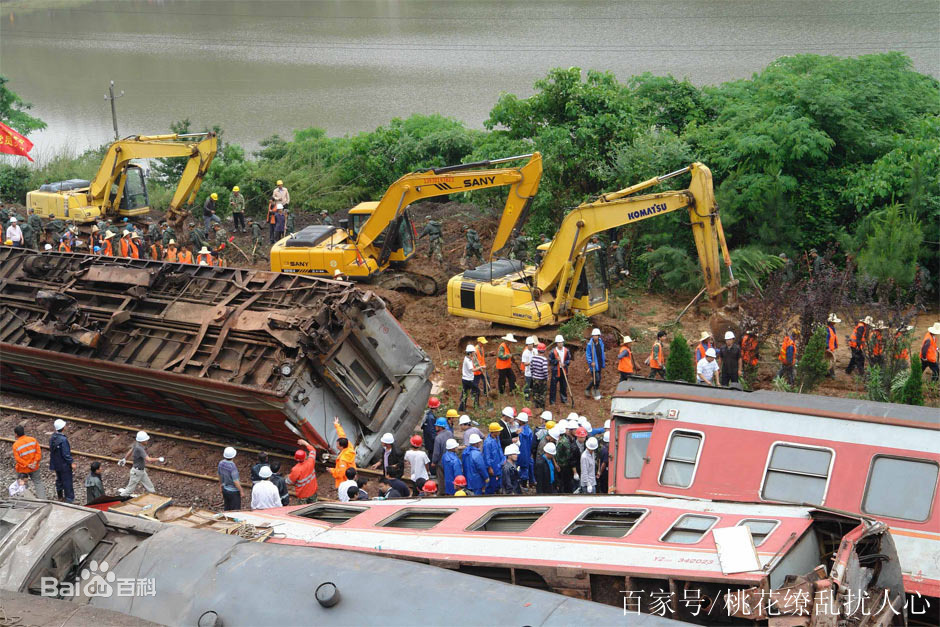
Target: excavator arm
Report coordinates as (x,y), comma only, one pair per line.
(121,152)
(560,267)
(523,182)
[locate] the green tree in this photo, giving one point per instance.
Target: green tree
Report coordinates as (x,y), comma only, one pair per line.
(813,367)
(887,244)
(679,366)
(13,111)
(912,392)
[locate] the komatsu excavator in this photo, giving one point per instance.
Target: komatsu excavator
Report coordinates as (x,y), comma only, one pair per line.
(119,189)
(381,234)
(572,276)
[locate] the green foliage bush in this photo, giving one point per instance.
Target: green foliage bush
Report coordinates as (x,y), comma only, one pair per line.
(575,327)
(679,365)
(813,367)
(912,393)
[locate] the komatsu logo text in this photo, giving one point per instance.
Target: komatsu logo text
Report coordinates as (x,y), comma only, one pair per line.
(649,211)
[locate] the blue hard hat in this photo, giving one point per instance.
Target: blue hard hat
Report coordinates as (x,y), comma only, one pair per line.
(440,422)
(124,220)
(97,249)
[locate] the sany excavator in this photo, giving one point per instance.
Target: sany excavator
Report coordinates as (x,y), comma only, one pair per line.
(571,278)
(119,189)
(382,235)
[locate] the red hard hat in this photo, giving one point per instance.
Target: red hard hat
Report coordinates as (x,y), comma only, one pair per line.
(459,481)
(416,440)
(300,455)
(525,410)
(429,487)
(434,402)
(541,346)
(581,432)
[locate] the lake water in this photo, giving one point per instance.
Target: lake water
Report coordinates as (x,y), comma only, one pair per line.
(259,68)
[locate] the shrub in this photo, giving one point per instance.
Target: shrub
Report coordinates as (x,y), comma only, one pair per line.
(912,393)
(813,367)
(679,366)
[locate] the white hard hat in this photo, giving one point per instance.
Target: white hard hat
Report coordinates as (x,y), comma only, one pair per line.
(591,444)
(464,420)
(833,318)
(229,452)
(729,335)
(450,444)
(59,424)
(607,424)
(126,232)
(509,412)
(572,416)
(522,417)
(388,438)
(530,339)
(142,436)
(607,436)
(337,272)
(512,449)
(595,332)
(559,338)
(582,420)
(550,448)
(710,352)
(12,220)
(265,472)
(546,415)
(469,348)
(474,439)
(556,431)
(47,247)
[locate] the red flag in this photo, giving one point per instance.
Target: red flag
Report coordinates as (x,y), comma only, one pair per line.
(12,143)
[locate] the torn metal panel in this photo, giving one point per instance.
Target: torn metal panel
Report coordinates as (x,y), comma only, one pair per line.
(223,349)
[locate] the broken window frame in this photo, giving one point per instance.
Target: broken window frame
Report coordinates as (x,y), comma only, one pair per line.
(741,523)
(579,521)
(871,472)
(768,470)
(674,527)
(498,511)
(386,523)
(304,511)
(666,459)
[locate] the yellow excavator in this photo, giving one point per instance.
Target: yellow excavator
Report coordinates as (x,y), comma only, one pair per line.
(119,189)
(572,276)
(380,235)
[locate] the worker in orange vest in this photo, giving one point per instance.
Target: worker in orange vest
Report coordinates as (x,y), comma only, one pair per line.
(26,458)
(901,344)
(65,245)
(787,357)
(479,373)
(832,343)
(705,342)
(107,247)
(347,454)
(204,257)
(625,364)
(172,253)
(877,343)
(504,373)
(928,351)
(303,476)
(156,250)
(857,343)
(186,254)
(657,359)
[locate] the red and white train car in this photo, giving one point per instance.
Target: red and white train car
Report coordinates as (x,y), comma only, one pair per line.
(875,459)
(648,554)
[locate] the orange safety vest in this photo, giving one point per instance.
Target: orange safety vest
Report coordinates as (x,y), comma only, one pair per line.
(561,358)
(26,454)
(877,347)
(505,363)
(858,336)
(346,459)
(303,477)
(749,349)
(928,350)
(625,364)
(272,212)
(129,249)
(206,258)
(185,256)
(832,342)
(106,248)
(480,360)
(155,251)
(902,354)
(655,364)
(787,343)
(172,255)
(64,246)
(700,351)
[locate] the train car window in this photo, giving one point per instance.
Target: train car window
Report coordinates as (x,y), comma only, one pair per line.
(635,453)
(681,458)
(689,529)
(900,488)
(760,529)
(332,514)
(508,520)
(416,518)
(798,474)
(605,523)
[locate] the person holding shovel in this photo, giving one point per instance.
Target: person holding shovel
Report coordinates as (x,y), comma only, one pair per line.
(558,360)
(596,360)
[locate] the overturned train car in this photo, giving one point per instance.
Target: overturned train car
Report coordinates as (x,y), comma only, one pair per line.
(257,355)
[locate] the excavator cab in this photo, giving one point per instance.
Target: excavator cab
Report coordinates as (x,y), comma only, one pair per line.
(593,283)
(402,242)
(134,197)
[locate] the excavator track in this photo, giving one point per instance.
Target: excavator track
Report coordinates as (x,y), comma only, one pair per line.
(429,281)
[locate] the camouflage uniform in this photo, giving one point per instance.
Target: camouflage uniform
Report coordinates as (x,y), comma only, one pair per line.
(520,248)
(168,234)
(325,218)
(474,248)
(198,238)
(55,228)
(435,239)
(290,222)
(257,239)
(620,257)
(35,226)
(221,245)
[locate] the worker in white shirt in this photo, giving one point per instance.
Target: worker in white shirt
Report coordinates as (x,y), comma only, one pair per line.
(706,371)
(264,494)
(469,380)
(15,233)
(342,492)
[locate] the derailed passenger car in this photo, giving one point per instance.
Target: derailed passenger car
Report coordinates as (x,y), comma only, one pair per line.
(259,355)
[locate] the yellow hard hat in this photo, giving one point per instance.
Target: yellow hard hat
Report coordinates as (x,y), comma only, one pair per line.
(452,413)
(550,425)
(280,182)
(214,196)
(495,427)
(236,189)
(9,242)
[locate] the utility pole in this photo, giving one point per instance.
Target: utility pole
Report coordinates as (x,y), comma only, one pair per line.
(112,98)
